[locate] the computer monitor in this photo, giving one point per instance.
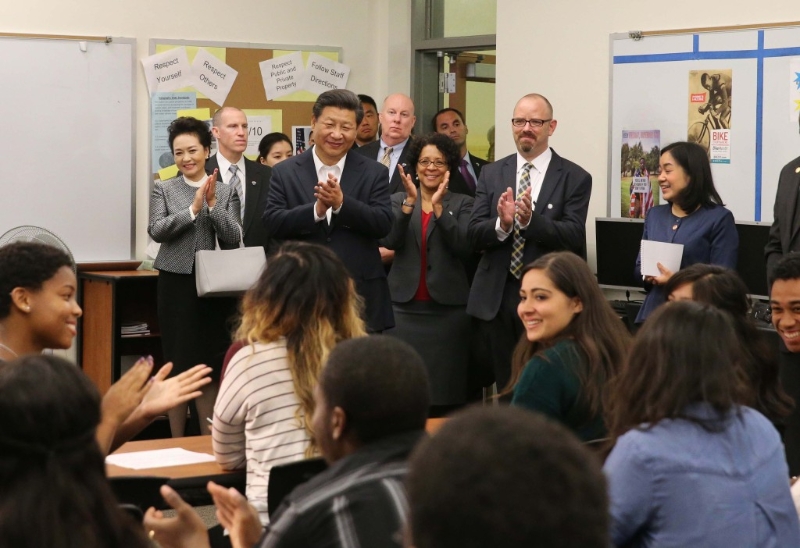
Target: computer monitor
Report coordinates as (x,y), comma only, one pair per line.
(752,266)
(618,242)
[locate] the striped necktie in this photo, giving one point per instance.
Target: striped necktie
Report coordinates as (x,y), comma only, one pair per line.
(518,246)
(387,156)
(236,183)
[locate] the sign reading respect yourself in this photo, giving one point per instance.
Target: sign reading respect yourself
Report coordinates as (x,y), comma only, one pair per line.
(167,71)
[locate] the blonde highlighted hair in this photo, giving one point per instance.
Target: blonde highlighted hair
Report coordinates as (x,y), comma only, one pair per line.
(306,296)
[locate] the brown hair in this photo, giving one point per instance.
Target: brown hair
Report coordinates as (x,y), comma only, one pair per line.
(600,334)
(305,295)
(723,288)
(685,353)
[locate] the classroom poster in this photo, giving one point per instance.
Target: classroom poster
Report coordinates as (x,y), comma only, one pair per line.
(639,155)
(164,107)
(302,138)
(794,89)
(710,107)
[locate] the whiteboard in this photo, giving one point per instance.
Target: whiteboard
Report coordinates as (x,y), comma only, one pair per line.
(67,142)
(650,90)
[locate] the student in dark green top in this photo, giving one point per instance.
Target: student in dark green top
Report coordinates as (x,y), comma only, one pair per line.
(572,345)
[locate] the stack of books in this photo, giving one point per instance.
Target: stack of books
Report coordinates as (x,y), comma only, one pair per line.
(135,328)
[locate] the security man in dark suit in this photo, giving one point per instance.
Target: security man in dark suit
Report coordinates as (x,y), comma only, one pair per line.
(250,179)
(339,199)
(451,122)
(526,205)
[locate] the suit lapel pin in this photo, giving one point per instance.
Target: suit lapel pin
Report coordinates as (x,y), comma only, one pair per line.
(549,206)
(797,170)
(253,183)
(450,212)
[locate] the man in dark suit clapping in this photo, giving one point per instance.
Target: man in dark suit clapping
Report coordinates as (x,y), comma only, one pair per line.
(337,199)
(526,205)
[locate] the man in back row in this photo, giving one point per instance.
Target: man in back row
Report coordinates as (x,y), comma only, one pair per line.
(451,122)
(526,205)
(249,179)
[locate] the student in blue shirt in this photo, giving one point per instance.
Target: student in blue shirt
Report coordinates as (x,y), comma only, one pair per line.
(694,216)
(692,467)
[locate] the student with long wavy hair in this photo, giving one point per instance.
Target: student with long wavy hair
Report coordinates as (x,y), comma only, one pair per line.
(53,488)
(691,466)
(723,288)
(572,345)
(303,304)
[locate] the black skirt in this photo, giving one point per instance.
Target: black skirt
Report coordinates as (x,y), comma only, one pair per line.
(194,330)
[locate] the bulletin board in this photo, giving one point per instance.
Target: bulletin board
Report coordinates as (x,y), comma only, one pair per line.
(652,75)
(248,92)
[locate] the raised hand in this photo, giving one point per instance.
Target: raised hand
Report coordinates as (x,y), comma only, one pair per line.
(506,209)
(408,185)
(236,515)
(524,207)
(184,530)
(211,189)
(166,393)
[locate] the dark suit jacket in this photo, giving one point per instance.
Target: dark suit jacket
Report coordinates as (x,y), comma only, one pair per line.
(457,182)
(365,217)
(558,223)
(783,236)
(256,178)
(371,151)
(447,246)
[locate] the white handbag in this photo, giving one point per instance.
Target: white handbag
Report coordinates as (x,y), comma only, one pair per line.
(228,272)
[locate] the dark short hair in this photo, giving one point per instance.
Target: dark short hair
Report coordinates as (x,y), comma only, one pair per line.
(191,126)
(788,268)
(381,384)
(448,109)
(448,148)
(269,140)
(712,284)
(369,100)
(338,98)
(700,190)
(52,473)
(503,476)
(28,265)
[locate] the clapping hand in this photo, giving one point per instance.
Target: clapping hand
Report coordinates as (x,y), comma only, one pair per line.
(328,194)
(523,207)
(409,186)
(236,515)
(506,209)
(438,196)
(166,393)
(184,530)
(207,192)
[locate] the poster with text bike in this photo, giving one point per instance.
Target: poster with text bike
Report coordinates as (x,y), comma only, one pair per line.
(639,155)
(709,123)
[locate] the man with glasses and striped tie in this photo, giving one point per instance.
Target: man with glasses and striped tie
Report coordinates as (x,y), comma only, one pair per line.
(249,179)
(526,205)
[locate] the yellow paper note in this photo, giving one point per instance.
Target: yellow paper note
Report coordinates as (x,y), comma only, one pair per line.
(168,172)
(199,113)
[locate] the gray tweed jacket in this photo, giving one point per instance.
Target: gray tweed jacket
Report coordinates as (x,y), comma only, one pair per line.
(171,223)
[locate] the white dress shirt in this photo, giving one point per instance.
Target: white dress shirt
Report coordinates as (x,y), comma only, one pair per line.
(540,165)
(322,175)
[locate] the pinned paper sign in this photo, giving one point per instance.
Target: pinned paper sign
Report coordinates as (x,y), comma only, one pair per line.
(167,71)
(257,128)
(282,75)
(212,77)
(323,74)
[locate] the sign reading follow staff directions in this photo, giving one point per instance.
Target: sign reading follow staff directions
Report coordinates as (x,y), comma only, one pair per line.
(323,74)
(282,75)
(167,71)
(212,77)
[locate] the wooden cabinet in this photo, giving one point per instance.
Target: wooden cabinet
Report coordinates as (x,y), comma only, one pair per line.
(110,298)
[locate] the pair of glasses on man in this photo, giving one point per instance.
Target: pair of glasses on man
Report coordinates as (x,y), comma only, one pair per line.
(436,163)
(520,122)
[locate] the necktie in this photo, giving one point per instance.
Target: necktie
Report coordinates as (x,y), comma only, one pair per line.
(462,167)
(387,156)
(236,183)
(518,246)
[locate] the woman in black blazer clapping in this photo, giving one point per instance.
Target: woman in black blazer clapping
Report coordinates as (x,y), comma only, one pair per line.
(428,281)
(189,213)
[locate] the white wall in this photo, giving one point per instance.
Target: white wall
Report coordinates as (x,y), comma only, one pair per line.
(374,36)
(561,50)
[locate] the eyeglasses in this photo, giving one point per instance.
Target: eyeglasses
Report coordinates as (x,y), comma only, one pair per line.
(436,163)
(520,122)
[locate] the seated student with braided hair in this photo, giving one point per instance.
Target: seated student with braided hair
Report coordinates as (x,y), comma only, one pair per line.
(53,488)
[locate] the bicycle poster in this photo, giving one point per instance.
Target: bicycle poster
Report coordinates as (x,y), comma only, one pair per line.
(641,150)
(709,123)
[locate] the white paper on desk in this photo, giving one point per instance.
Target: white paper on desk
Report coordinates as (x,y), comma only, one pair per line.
(669,255)
(158,458)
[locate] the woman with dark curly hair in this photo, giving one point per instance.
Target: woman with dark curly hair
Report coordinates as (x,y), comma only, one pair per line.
(188,213)
(428,281)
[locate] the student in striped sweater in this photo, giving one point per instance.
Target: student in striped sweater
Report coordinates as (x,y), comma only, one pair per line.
(300,308)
